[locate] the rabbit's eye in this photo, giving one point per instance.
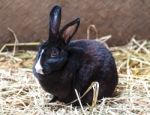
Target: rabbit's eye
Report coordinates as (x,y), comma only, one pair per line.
(54,52)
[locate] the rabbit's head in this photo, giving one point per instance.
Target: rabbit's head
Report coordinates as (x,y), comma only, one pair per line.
(54,53)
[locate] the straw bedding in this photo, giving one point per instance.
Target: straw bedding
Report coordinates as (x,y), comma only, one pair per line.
(20,93)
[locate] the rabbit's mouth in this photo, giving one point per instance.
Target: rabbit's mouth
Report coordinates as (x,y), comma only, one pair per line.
(46,70)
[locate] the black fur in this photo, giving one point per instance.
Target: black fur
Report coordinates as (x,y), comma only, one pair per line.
(69,65)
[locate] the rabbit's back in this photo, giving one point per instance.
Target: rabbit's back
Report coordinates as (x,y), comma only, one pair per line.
(93,51)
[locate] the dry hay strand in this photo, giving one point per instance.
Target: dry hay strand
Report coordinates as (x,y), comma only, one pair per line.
(20,92)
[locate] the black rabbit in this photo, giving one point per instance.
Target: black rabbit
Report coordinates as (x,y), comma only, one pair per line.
(62,65)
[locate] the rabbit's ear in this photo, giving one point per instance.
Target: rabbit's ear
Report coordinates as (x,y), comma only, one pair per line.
(54,20)
(69,30)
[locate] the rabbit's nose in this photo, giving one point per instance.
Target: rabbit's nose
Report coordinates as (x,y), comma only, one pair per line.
(38,67)
(38,70)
